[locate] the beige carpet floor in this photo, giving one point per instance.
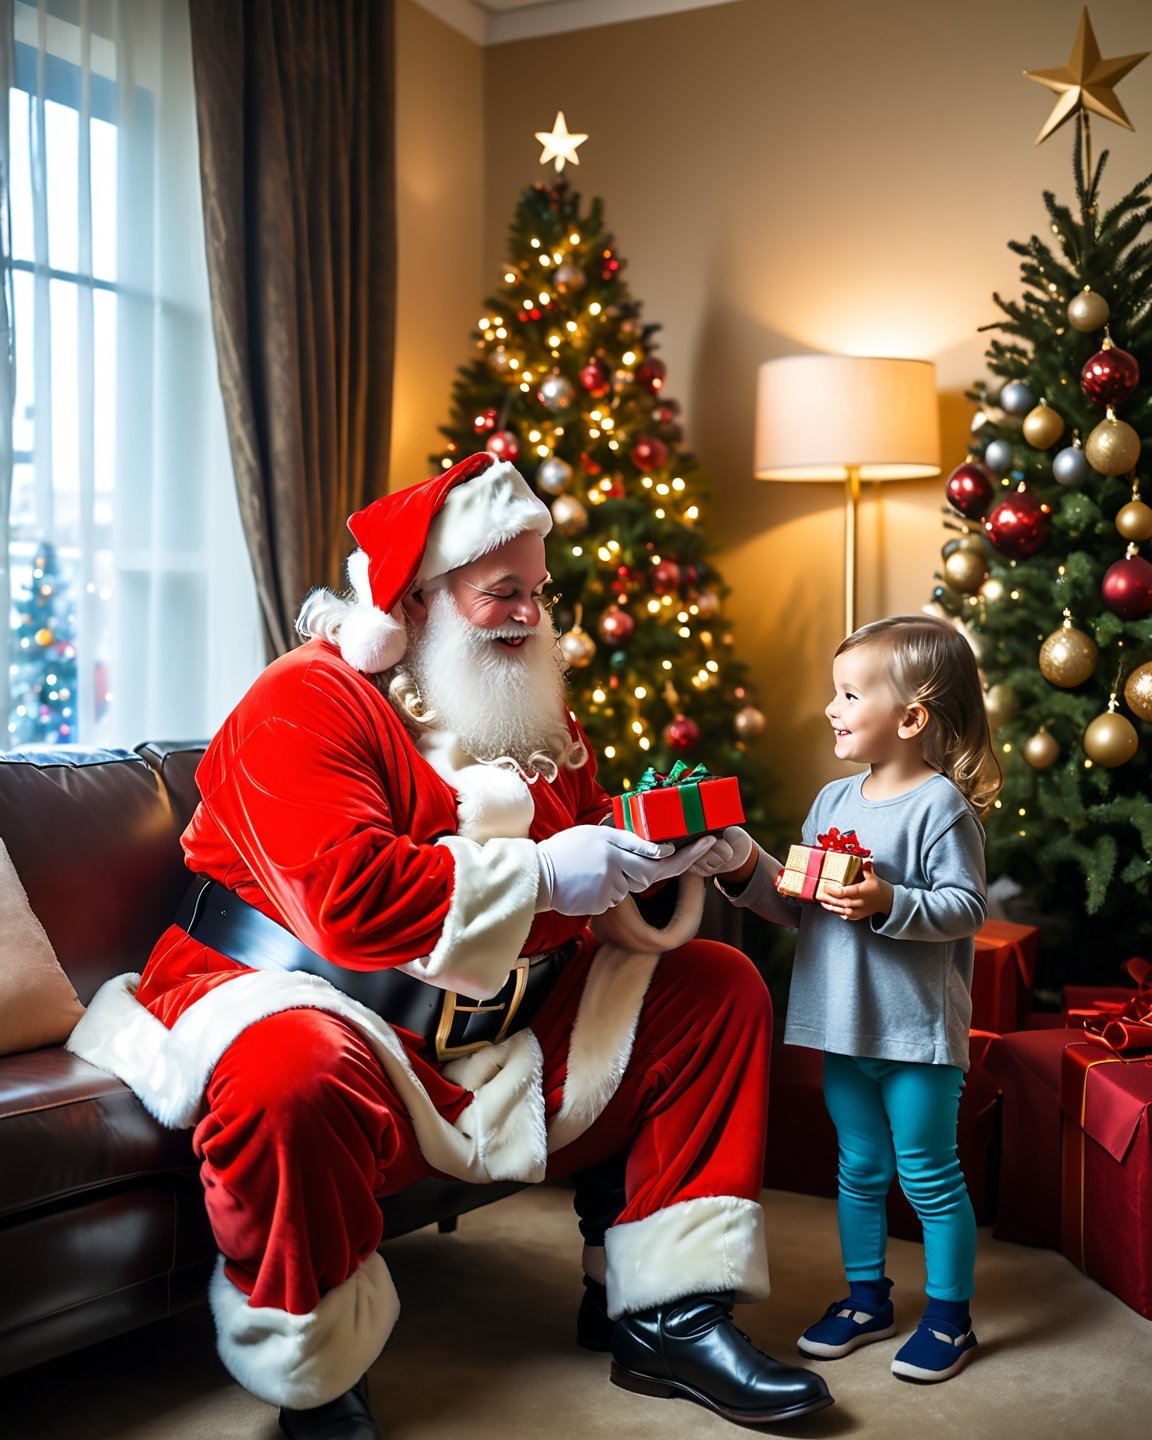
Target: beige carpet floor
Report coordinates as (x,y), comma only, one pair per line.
(483,1351)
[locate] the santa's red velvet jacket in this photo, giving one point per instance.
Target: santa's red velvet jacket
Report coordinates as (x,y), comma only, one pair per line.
(378,848)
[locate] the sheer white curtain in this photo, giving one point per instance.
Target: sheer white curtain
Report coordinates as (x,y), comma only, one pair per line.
(122,500)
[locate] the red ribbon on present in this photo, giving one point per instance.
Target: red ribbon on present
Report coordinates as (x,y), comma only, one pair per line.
(844,844)
(1129,1031)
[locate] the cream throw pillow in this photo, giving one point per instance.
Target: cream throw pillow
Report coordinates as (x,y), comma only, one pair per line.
(38,1005)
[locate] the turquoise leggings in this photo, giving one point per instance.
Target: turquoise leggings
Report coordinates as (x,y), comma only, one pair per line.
(892,1118)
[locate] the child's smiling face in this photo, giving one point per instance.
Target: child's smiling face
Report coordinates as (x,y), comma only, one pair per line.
(865,713)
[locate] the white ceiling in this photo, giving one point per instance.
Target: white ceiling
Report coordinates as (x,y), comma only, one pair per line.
(496,22)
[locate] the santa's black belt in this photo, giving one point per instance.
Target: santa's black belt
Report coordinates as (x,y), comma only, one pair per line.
(451,1024)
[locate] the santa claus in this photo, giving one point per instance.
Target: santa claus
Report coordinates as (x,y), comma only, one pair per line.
(413,947)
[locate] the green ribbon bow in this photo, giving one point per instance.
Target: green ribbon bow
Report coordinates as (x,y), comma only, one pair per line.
(687,782)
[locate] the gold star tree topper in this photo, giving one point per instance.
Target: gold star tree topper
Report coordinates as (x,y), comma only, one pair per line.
(559,143)
(1086,82)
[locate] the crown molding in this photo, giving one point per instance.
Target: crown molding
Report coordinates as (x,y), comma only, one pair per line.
(495,25)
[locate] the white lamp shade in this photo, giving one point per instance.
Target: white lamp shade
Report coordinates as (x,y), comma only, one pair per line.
(817,415)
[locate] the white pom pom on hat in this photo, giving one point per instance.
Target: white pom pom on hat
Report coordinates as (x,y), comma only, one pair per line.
(409,538)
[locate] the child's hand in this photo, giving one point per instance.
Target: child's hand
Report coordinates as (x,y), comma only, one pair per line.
(870,896)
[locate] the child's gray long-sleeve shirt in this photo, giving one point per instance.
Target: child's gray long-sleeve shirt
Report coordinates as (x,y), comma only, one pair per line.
(897,986)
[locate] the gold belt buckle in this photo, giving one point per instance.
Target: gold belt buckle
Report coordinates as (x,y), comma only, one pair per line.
(453,1005)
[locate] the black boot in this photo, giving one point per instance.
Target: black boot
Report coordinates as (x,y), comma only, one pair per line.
(348,1417)
(690,1349)
(594,1325)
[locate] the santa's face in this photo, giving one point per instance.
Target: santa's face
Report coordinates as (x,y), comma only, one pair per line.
(484,657)
(502,589)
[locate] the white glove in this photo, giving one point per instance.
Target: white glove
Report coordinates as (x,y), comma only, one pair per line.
(589,868)
(730,851)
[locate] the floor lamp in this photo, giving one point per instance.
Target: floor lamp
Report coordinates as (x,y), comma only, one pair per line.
(848,418)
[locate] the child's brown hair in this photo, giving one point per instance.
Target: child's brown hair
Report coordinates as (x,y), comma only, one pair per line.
(931,664)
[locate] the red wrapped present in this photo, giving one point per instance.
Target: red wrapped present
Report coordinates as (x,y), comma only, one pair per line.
(1106,1229)
(1026,1065)
(678,806)
(1116,1016)
(808,869)
(1003,975)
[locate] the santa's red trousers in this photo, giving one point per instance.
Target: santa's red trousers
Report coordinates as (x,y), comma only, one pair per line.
(304,1133)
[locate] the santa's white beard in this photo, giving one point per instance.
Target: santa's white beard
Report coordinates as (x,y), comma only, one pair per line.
(499,703)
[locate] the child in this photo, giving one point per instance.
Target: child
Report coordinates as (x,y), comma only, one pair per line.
(883,970)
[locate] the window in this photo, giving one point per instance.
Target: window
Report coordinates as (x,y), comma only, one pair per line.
(132,608)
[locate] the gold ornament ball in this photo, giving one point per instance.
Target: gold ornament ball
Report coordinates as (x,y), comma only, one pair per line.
(44,636)
(748,723)
(569,515)
(1041,751)
(577,647)
(1138,691)
(1110,740)
(1087,311)
(1113,447)
(999,705)
(1043,426)
(1134,521)
(966,571)
(1068,657)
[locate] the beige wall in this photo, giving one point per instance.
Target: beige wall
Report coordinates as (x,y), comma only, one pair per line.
(786,178)
(440,227)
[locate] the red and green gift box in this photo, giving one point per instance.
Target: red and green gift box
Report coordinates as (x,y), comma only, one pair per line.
(685,803)
(808,869)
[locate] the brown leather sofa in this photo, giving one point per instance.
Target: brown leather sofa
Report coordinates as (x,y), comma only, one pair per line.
(102,1225)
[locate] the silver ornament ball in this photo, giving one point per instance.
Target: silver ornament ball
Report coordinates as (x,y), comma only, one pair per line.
(1070,467)
(553,475)
(1016,398)
(998,456)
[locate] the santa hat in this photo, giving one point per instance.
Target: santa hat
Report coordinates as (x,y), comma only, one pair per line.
(409,538)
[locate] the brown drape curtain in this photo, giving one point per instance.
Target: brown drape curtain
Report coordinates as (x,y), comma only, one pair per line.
(295,106)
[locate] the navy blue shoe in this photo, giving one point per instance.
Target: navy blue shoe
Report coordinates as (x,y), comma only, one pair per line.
(936,1350)
(844,1327)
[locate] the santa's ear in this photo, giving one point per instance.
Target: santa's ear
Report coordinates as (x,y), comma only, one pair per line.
(415,606)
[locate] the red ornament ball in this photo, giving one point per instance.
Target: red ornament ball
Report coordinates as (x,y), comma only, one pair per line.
(595,379)
(666,577)
(1019,525)
(1127,588)
(485,422)
(681,733)
(504,445)
(650,376)
(648,453)
(616,625)
(970,488)
(1110,376)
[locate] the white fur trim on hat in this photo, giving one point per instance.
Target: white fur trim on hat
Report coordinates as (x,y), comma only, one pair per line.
(478,517)
(370,640)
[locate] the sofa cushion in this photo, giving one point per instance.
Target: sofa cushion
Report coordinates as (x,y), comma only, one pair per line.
(38,1004)
(67,1129)
(94,840)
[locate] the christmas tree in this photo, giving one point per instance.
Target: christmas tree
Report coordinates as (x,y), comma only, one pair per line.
(42,680)
(1045,568)
(565,383)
